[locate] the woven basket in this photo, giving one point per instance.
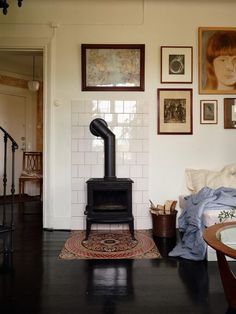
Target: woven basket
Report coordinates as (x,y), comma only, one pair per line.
(164,225)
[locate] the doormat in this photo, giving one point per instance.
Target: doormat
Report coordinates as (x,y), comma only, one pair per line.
(113,244)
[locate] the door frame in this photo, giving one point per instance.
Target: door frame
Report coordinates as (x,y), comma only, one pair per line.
(47,46)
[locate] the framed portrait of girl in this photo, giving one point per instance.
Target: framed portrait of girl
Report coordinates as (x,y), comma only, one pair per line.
(217,60)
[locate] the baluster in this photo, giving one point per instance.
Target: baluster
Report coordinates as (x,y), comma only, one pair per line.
(7,223)
(4,178)
(13,147)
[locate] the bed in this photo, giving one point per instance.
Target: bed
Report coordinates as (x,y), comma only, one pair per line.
(210,193)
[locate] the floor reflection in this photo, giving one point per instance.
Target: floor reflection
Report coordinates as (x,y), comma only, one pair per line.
(110,281)
(165,245)
(6,263)
(195,277)
(230,311)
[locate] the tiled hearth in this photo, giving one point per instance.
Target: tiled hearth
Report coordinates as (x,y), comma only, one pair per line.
(128,120)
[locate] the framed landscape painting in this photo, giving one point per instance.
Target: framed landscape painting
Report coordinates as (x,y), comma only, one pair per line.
(176,64)
(112,67)
(217,60)
(174,111)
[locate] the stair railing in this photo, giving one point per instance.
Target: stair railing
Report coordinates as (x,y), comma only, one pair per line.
(7,225)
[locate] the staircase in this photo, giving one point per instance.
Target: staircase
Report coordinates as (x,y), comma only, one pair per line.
(6,209)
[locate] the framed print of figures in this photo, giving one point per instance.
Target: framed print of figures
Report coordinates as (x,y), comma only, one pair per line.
(230,113)
(176,64)
(174,111)
(112,67)
(208,112)
(217,60)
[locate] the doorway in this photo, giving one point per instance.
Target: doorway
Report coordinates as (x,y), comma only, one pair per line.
(21,109)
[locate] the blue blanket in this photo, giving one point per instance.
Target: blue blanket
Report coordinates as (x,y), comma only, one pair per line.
(192,245)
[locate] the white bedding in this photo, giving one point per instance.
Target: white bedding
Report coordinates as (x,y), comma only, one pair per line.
(196,180)
(210,216)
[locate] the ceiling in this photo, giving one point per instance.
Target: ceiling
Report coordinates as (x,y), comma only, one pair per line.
(21,63)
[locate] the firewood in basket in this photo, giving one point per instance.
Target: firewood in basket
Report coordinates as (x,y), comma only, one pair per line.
(152,206)
(173,205)
(170,206)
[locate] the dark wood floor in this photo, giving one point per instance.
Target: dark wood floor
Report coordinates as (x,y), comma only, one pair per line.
(38,282)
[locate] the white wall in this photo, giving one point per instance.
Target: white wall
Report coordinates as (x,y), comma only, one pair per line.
(153,23)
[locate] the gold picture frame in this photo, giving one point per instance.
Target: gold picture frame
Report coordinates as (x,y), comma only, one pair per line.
(216,48)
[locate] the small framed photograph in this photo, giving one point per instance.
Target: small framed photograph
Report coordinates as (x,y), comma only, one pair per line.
(114,67)
(230,113)
(176,64)
(208,111)
(217,60)
(174,111)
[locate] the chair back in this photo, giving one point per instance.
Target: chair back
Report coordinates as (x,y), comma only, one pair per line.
(33,162)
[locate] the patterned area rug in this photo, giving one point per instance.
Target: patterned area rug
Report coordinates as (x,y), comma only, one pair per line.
(114,244)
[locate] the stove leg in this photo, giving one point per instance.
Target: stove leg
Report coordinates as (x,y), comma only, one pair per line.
(88,229)
(131,228)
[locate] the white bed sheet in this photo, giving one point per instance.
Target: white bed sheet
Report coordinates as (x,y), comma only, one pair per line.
(210,216)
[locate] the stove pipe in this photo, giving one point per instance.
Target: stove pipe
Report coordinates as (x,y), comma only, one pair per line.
(98,127)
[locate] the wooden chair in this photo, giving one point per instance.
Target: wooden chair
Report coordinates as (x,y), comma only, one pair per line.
(32,170)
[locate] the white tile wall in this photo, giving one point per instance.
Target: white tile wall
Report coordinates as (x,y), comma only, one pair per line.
(128,120)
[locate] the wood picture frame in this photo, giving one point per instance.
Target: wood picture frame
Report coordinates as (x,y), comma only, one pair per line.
(208,111)
(113,67)
(176,64)
(174,111)
(216,52)
(230,113)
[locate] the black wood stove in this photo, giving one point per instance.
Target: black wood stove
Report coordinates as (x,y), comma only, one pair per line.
(109,199)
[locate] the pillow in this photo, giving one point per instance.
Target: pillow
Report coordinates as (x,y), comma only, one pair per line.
(197,179)
(221,179)
(230,169)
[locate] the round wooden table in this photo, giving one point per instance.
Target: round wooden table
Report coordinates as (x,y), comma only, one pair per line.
(213,237)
